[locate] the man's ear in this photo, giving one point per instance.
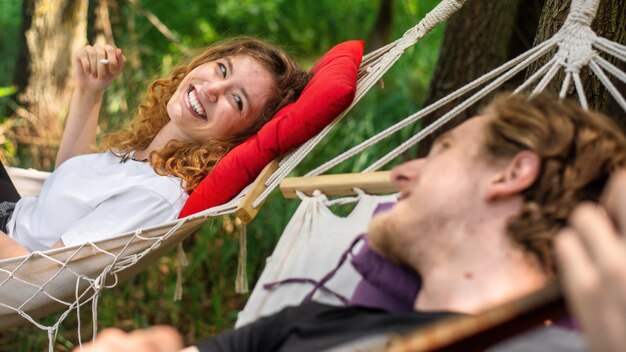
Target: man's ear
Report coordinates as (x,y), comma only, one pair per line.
(516,176)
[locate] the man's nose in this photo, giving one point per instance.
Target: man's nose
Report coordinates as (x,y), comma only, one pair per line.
(406,173)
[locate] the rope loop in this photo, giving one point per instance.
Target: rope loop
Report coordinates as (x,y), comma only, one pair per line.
(317,194)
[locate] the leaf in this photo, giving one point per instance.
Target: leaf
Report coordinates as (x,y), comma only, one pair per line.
(6,91)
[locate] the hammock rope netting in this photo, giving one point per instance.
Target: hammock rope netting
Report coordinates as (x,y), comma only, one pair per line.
(69,278)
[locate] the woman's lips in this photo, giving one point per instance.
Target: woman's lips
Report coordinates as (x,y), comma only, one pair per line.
(188,104)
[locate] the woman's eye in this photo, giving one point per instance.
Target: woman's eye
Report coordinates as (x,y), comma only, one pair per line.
(222,69)
(239,102)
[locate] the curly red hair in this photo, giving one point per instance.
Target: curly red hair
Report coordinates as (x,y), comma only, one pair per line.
(192,161)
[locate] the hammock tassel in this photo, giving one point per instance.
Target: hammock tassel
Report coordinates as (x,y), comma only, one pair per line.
(241,282)
(181,258)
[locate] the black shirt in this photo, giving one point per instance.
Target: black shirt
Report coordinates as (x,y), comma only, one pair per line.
(315,327)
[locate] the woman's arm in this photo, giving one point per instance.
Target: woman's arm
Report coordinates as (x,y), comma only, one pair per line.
(92,79)
(9,248)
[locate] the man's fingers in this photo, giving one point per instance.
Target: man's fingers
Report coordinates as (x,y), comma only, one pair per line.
(158,339)
(597,233)
(614,199)
(579,277)
(153,339)
(111,339)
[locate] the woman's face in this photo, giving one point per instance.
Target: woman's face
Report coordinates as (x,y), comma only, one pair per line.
(220,98)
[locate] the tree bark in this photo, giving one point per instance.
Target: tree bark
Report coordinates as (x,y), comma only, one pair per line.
(610,23)
(100,30)
(53,30)
(379,35)
(478,38)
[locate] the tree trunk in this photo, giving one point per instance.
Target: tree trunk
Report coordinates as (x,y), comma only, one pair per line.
(610,23)
(379,35)
(100,30)
(478,38)
(53,30)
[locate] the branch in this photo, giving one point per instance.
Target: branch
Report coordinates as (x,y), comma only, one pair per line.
(167,33)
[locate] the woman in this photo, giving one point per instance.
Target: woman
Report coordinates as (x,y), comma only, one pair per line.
(190,119)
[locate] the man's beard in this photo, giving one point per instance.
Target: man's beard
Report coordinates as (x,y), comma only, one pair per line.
(380,234)
(406,239)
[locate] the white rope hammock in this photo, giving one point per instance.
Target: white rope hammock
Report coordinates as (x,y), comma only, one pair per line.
(577,44)
(44,277)
(69,278)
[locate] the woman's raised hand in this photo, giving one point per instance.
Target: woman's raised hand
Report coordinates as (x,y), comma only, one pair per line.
(95,67)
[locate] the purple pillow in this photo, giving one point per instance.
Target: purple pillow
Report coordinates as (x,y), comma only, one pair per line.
(384,285)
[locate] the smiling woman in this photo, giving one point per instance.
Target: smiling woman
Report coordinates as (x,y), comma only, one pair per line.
(190,119)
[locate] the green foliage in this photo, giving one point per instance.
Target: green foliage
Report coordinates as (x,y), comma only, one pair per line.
(9,31)
(306,29)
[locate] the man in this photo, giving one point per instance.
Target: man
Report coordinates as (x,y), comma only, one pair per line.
(475,219)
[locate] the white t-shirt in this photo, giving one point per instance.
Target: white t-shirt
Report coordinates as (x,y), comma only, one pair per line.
(93,197)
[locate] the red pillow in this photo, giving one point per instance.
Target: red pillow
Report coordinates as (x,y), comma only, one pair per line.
(328,94)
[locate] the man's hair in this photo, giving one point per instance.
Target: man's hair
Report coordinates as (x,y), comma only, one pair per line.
(578,150)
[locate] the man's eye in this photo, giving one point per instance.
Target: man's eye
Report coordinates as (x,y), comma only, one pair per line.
(438,147)
(222,69)
(239,102)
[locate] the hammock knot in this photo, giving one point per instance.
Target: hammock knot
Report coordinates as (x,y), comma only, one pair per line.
(576,46)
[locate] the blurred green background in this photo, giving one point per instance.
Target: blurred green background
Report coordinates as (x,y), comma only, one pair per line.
(306,29)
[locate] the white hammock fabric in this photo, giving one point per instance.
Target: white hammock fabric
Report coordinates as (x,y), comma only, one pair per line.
(310,247)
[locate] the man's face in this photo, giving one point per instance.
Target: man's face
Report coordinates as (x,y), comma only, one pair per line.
(438,194)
